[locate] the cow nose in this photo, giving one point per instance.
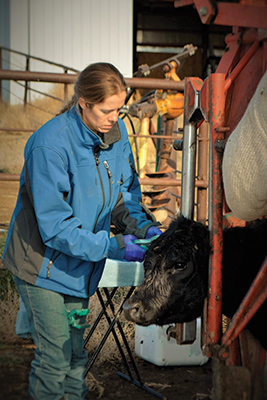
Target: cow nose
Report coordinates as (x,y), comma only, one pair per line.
(133,312)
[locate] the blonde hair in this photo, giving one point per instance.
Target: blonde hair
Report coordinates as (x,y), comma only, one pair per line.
(95,83)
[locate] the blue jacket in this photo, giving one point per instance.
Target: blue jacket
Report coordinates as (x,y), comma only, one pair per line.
(73,186)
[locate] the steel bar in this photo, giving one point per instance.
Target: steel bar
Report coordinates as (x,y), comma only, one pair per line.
(100,315)
(170,182)
(143,181)
(107,333)
(126,344)
(242,63)
(186,333)
(144,387)
(17,130)
(38,59)
(202,172)
(189,146)
(130,135)
(114,331)
(146,83)
(37,76)
(188,170)
(216,106)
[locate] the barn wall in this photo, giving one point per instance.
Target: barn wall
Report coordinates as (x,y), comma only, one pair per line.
(5,41)
(73,33)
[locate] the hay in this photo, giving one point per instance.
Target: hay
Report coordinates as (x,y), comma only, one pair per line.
(94,385)
(15,117)
(8,314)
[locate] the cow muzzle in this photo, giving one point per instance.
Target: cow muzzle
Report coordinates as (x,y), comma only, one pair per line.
(135,312)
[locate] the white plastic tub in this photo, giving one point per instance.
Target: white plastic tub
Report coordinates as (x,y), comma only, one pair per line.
(152,344)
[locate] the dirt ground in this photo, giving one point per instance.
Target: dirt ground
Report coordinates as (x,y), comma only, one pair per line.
(173,383)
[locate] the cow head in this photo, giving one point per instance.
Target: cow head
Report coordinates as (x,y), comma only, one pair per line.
(176,276)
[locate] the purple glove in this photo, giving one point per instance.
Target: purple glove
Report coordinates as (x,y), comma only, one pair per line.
(152,231)
(133,252)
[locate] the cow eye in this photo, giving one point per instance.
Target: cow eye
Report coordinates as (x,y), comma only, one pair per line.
(181,266)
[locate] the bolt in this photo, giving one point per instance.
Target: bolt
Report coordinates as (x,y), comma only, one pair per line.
(223,353)
(203,11)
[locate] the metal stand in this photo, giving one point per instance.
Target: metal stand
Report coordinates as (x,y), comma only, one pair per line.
(112,322)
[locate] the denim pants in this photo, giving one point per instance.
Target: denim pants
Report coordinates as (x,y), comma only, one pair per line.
(57,372)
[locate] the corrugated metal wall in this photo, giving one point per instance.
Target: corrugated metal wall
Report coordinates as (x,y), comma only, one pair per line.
(73,33)
(5,41)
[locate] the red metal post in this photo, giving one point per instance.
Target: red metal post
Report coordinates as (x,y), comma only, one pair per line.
(212,105)
(242,63)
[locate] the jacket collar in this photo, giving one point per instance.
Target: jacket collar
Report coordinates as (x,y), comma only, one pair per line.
(91,138)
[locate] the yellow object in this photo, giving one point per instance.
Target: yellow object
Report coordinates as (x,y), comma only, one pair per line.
(170,104)
(143,145)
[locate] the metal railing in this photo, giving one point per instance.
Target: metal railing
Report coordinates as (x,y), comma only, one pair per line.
(28,57)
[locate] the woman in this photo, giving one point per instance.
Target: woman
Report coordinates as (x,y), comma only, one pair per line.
(78,178)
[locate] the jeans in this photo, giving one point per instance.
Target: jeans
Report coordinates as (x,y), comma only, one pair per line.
(57,372)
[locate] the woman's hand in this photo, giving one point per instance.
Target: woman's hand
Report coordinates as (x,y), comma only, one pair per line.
(152,231)
(133,252)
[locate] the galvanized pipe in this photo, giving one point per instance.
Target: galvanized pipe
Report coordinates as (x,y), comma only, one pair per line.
(188,170)
(191,98)
(202,171)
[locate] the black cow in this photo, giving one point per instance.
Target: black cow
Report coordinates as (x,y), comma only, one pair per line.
(176,274)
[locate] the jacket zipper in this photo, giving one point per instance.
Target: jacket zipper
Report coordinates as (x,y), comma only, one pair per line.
(102,189)
(134,173)
(103,194)
(52,260)
(109,179)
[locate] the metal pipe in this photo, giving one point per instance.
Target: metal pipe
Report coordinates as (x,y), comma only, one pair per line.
(26,83)
(38,58)
(202,171)
(17,130)
(216,105)
(242,63)
(143,181)
(150,83)
(154,136)
(188,170)
(191,97)
(170,182)
(71,78)
(50,77)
